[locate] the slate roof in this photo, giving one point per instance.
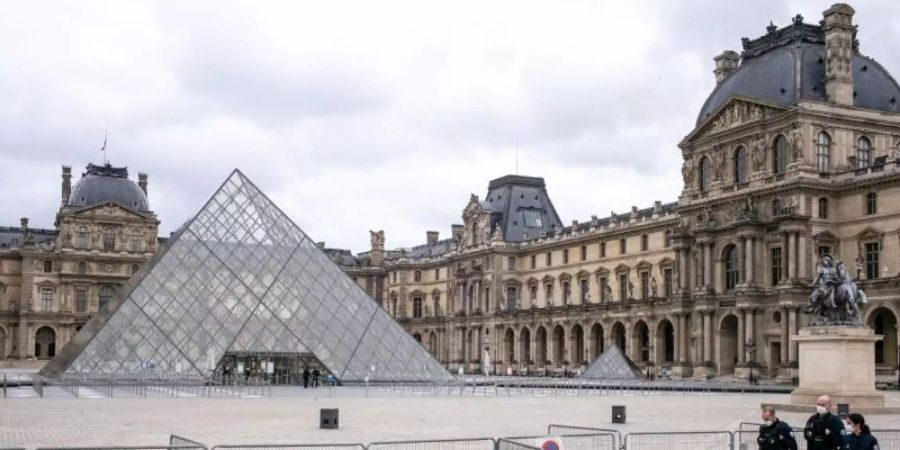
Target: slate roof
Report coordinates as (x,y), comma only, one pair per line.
(102,184)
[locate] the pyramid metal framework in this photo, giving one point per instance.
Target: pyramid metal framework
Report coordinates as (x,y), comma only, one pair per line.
(612,364)
(242,277)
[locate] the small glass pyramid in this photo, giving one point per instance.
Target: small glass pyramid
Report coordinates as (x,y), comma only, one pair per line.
(612,364)
(242,277)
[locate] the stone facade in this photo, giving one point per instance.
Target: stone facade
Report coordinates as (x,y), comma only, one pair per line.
(709,287)
(53,281)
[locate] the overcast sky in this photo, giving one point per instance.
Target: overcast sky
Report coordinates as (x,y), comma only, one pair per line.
(366,115)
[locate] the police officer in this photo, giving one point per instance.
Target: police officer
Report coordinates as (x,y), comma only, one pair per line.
(824,431)
(775,434)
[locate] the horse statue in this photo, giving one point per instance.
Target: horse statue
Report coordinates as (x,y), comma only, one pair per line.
(835,299)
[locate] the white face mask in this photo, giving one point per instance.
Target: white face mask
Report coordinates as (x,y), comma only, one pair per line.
(821,409)
(769,422)
(848,427)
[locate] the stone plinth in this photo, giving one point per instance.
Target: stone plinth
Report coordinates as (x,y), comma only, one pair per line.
(838,361)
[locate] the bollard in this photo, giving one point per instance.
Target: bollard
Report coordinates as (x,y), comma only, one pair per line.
(328,419)
(618,414)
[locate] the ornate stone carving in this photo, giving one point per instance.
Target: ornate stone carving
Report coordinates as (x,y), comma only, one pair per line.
(377,239)
(497,236)
(718,163)
(687,172)
(796,139)
(759,153)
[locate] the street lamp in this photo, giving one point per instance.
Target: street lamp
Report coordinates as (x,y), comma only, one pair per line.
(751,352)
(649,349)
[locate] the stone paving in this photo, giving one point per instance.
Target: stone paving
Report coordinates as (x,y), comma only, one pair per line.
(290,415)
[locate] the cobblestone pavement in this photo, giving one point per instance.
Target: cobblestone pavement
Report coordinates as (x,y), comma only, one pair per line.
(290,415)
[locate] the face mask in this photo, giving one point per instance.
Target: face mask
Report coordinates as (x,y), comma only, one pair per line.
(769,423)
(821,409)
(848,427)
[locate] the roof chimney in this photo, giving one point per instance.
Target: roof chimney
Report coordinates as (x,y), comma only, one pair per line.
(431,237)
(456,230)
(66,184)
(839,33)
(142,182)
(726,64)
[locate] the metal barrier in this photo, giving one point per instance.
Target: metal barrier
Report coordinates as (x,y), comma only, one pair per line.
(506,444)
(556,429)
(439,444)
(701,440)
(887,439)
(291,447)
(596,441)
(166,447)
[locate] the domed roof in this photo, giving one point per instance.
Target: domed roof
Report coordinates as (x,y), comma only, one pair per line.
(107,184)
(788,65)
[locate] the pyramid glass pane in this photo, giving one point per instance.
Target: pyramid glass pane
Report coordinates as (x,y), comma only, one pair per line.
(612,364)
(241,277)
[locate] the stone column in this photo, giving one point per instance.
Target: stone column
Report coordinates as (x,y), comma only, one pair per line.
(683,337)
(742,354)
(785,335)
(792,349)
(751,332)
(707,336)
(750,253)
(22,350)
(707,265)
(801,256)
(785,258)
(682,268)
(742,261)
(792,243)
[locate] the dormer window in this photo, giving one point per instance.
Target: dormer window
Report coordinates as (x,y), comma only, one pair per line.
(532,218)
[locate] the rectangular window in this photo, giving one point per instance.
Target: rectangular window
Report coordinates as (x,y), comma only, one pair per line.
(584,253)
(623,287)
(565,256)
(46,299)
(548,290)
(437,274)
(585,290)
(567,293)
(622,246)
(603,283)
(667,282)
(824,250)
(776,265)
(81,300)
(533,294)
(603,249)
(871,260)
(417,307)
(512,298)
(645,285)
(532,218)
(645,242)
(48,266)
(394,277)
(549,258)
(417,276)
(533,261)
(871,203)
(511,263)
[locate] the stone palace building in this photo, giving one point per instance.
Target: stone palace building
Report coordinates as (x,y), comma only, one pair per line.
(795,154)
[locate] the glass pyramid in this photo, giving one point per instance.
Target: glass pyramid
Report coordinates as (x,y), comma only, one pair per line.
(242,277)
(612,364)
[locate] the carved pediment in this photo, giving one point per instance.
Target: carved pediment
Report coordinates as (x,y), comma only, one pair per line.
(108,210)
(736,112)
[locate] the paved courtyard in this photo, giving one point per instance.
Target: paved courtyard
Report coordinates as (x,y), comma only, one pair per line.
(290,415)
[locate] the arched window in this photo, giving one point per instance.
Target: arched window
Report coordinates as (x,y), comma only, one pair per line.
(779,155)
(82,238)
(732,264)
(704,174)
(45,343)
(823,152)
(135,240)
(739,163)
(106,294)
(823,208)
(863,152)
(109,239)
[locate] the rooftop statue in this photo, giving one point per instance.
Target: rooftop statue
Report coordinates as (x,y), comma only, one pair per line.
(835,299)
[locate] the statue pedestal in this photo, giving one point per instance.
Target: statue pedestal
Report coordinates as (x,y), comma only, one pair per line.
(839,361)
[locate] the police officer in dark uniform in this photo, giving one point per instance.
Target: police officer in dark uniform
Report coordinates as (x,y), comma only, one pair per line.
(824,431)
(775,434)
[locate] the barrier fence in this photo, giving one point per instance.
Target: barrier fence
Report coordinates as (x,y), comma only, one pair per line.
(570,438)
